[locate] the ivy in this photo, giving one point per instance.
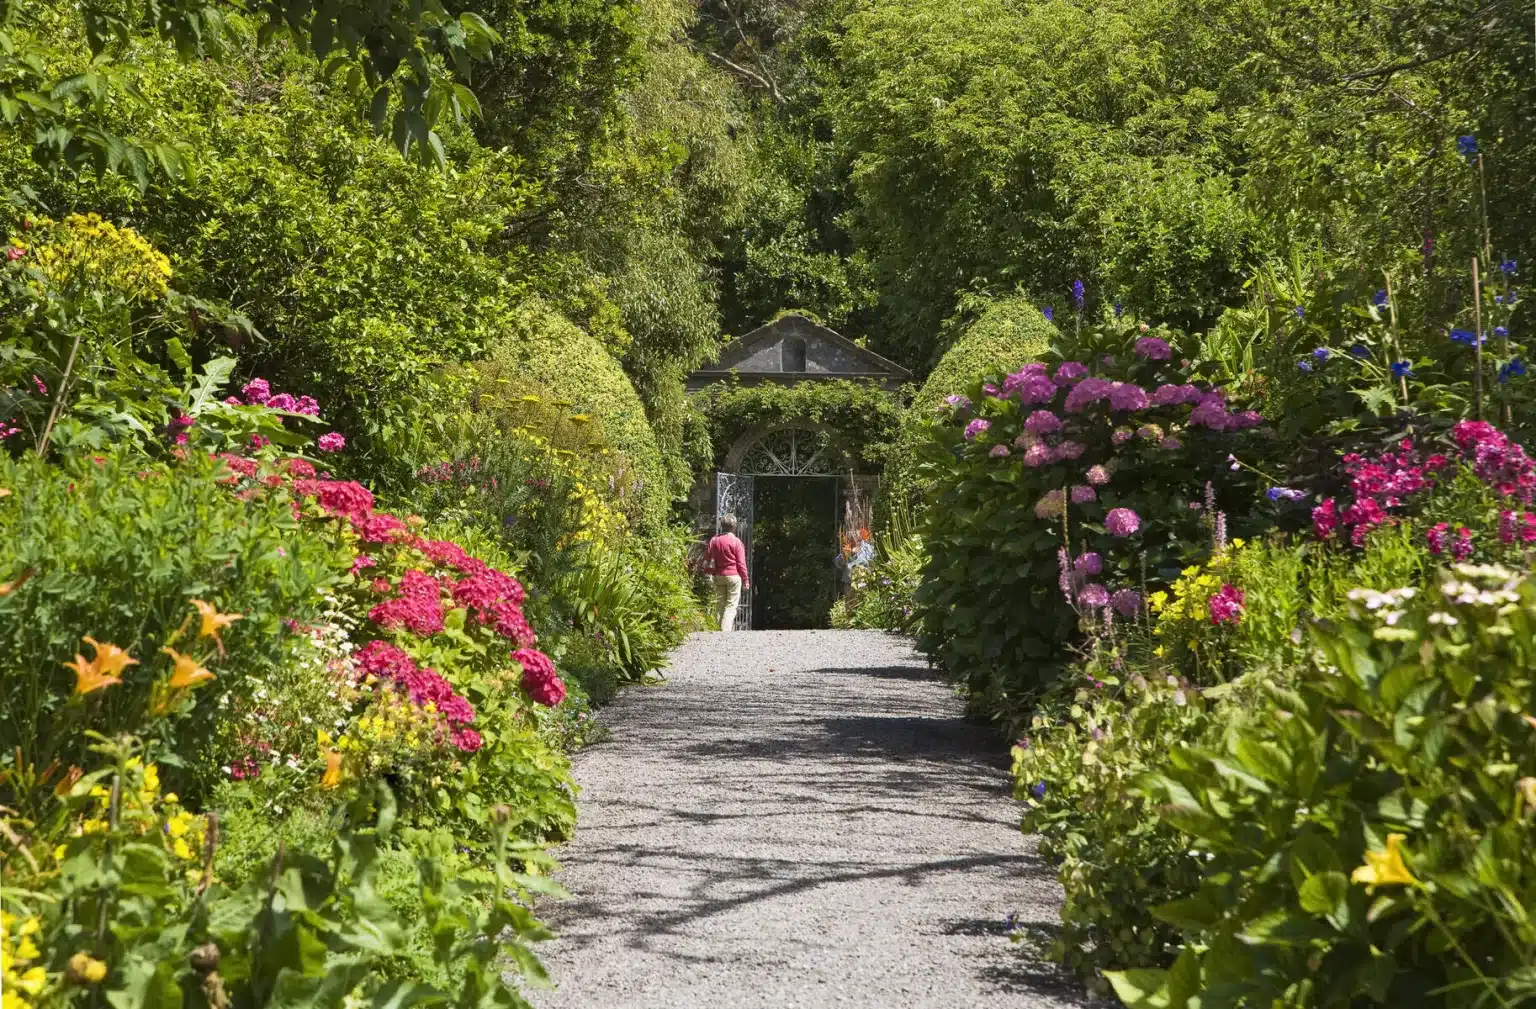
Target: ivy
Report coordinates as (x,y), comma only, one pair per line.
(863,416)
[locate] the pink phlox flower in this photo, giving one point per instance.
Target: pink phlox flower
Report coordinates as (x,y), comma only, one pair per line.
(300,468)
(1226,605)
(539,677)
(1087,391)
(512,624)
(1042,422)
(1506,527)
(233,401)
(282,401)
(1127,396)
(1122,522)
(257,392)
(383,660)
(1434,538)
(331,441)
(259,441)
(361,562)
(349,499)
(466,740)
(486,589)
(1462,548)
(381,527)
(308,406)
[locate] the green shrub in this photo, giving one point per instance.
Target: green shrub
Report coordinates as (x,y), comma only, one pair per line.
(117,548)
(880,596)
(542,353)
(998,338)
(1368,834)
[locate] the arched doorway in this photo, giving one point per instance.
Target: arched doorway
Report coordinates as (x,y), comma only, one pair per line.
(788,486)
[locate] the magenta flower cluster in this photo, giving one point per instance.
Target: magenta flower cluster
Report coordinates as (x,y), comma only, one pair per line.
(258,392)
(1395,478)
(422,686)
(1226,605)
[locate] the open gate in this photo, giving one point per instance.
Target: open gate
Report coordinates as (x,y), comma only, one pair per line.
(734,496)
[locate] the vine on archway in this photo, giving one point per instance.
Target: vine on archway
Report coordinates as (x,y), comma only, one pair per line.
(862,417)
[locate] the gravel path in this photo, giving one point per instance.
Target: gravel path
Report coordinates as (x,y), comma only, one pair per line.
(798,818)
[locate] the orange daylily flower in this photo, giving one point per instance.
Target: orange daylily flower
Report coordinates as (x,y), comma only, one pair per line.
(187,673)
(6,588)
(213,622)
(101,671)
(332,776)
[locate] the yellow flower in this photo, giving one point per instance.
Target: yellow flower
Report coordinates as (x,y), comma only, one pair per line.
(27,949)
(187,672)
(1385,868)
(101,671)
(33,980)
(60,852)
(172,798)
(84,967)
(1191,571)
(332,776)
(178,825)
(1160,651)
(179,846)
(213,621)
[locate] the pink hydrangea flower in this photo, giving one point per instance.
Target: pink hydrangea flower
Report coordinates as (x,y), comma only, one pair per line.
(1172,395)
(976,427)
(1093,596)
(1042,422)
(1121,436)
(1127,396)
(1153,349)
(1069,372)
(1087,391)
(1038,454)
(1098,476)
(998,451)
(1211,412)
(1015,382)
(1170,444)
(1082,494)
(1052,505)
(1089,563)
(1070,450)
(1122,522)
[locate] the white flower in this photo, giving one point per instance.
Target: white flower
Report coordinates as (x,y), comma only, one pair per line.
(1439,617)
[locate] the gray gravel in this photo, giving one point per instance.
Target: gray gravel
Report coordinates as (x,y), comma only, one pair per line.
(798,818)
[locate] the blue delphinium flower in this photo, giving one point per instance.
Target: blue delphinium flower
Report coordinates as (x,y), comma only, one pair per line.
(1078,293)
(1300,312)
(1360,350)
(1322,353)
(1498,299)
(1119,308)
(1379,299)
(1465,336)
(1514,369)
(1500,332)
(1304,364)
(1402,369)
(1508,267)
(1284,494)
(1038,790)
(1466,145)
(1050,316)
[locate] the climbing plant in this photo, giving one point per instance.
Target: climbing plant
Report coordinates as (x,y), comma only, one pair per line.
(863,416)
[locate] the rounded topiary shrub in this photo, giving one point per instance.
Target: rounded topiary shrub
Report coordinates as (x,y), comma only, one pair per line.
(545,354)
(1006,334)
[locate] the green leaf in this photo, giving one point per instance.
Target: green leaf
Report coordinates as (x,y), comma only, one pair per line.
(1142,988)
(1324,893)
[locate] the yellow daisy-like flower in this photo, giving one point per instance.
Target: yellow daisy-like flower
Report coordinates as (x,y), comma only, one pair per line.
(1386,867)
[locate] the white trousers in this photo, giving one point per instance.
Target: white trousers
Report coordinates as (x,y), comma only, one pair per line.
(727,599)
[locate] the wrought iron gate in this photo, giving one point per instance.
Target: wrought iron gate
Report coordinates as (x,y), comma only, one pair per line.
(733,496)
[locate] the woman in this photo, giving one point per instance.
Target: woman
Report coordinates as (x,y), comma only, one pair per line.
(726,559)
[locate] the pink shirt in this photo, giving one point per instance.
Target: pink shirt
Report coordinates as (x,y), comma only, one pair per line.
(727,556)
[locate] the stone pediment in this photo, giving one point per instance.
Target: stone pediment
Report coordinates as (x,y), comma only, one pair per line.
(794,349)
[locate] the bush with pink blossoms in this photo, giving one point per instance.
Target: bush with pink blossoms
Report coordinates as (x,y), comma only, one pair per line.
(1105,450)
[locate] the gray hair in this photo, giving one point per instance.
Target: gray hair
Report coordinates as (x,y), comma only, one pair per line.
(728,524)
